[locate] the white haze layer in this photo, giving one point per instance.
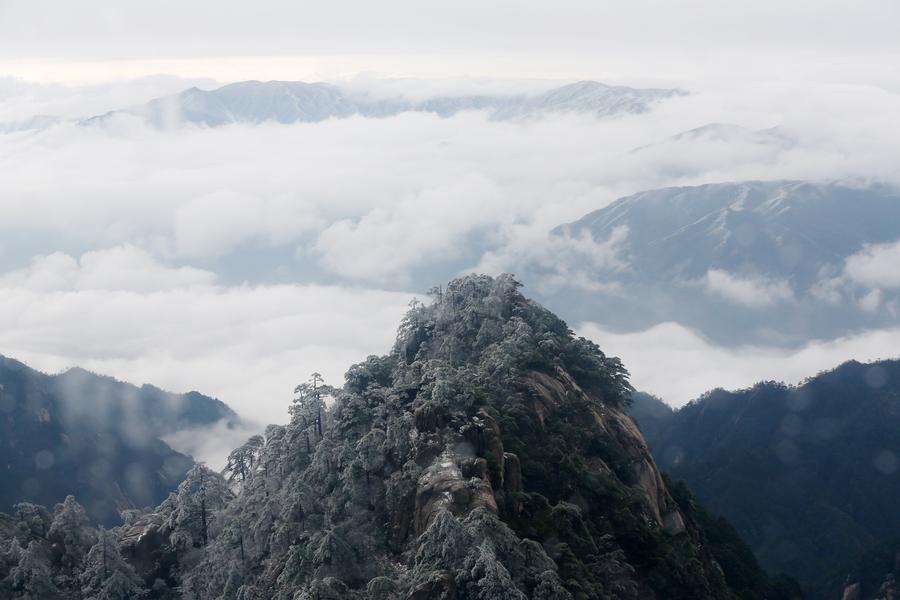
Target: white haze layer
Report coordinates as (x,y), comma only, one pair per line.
(120,244)
(633,42)
(678,364)
(248,345)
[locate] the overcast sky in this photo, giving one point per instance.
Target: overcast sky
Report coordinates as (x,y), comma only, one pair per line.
(634,40)
(238,260)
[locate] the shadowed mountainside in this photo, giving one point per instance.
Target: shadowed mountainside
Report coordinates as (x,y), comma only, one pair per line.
(809,475)
(94,437)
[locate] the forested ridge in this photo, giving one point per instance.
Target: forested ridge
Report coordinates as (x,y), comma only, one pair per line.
(808,474)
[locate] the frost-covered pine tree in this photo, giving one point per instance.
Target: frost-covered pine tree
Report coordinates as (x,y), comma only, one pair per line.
(31,578)
(32,519)
(308,410)
(11,555)
(199,497)
(243,459)
(105,575)
(70,533)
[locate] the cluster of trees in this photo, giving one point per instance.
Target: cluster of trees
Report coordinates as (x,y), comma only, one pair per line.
(62,556)
(486,322)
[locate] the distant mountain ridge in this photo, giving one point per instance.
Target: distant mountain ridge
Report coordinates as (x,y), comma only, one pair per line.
(156,411)
(729,259)
(32,123)
(295,101)
(92,436)
(725,133)
(785,229)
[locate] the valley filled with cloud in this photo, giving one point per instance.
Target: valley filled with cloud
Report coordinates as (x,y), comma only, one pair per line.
(292,248)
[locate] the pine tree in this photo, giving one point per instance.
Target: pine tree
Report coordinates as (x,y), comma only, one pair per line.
(32,519)
(70,533)
(32,576)
(242,459)
(105,575)
(308,410)
(202,493)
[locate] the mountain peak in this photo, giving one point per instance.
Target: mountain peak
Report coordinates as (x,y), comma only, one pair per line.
(478,318)
(487,456)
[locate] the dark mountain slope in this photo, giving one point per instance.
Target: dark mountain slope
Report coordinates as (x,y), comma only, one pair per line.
(94,437)
(651,414)
(875,574)
(808,475)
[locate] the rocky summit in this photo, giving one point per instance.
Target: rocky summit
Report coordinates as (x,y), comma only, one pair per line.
(487,456)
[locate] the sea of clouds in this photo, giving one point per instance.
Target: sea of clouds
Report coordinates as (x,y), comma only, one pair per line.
(237,260)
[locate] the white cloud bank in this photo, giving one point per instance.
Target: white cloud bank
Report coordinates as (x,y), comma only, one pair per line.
(421,227)
(151,221)
(560,260)
(370,200)
(877,266)
(870,278)
(123,268)
(247,345)
(753,292)
(677,364)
